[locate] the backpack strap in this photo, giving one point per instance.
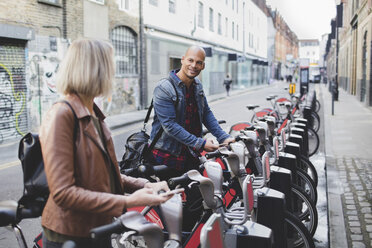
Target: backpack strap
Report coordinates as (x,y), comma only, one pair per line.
(76,122)
(160,132)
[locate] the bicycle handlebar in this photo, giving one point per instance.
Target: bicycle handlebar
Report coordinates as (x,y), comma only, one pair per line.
(181,180)
(146,170)
(101,231)
(215,154)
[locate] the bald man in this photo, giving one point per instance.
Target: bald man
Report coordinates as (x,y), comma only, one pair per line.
(182,141)
(181,119)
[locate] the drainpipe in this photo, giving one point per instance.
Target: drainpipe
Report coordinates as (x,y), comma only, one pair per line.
(194,29)
(64,19)
(142,60)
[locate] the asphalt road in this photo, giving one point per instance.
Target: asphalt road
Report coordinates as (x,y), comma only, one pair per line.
(232,109)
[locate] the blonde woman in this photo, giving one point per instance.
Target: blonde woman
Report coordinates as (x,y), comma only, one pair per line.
(86,188)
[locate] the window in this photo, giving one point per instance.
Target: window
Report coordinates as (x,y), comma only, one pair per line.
(219,23)
(153,2)
(226,26)
(237,6)
(124,41)
(232,4)
(155,57)
(227,2)
(211,19)
(237,32)
(200,15)
(172,6)
(123,4)
(232,30)
(51,2)
(98,1)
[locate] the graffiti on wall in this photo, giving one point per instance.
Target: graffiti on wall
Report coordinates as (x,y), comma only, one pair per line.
(124,98)
(12,102)
(42,85)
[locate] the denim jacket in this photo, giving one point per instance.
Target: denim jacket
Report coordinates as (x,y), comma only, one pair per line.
(173,122)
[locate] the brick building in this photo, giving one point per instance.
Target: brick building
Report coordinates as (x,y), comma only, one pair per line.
(286,48)
(34,36)
(355,48)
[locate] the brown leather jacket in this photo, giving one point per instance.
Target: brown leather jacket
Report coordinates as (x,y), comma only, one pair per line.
(77,174)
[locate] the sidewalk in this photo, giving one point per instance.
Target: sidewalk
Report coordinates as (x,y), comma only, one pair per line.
(348,138)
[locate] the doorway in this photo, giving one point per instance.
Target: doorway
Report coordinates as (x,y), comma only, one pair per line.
(174,63)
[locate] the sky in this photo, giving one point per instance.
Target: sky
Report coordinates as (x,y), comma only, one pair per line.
(309,19)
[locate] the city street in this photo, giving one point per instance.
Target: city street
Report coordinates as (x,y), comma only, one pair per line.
(232,109)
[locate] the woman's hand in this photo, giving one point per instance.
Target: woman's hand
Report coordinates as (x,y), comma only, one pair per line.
(159,186)
(146,197)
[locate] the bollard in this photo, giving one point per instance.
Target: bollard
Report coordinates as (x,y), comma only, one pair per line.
(270,213)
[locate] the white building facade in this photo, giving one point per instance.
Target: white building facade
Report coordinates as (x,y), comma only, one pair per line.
(233,33)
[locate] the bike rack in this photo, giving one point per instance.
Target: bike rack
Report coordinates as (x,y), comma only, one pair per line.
(270,212)
(289,161)
(305,136)
(280,180)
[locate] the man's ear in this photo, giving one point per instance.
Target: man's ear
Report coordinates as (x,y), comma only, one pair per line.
(203,65)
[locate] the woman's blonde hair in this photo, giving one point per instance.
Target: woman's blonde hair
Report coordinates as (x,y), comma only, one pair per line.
(88,68)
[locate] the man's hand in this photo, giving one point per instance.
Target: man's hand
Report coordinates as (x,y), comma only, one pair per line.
(210,146)
(228,141)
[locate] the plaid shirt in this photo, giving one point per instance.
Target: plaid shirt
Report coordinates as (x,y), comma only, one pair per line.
(192,125)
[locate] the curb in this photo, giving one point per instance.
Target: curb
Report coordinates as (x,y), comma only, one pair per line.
(336,223)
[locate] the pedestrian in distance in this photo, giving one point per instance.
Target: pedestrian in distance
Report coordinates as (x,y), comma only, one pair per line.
(227,83)
(86,188)
(182,119)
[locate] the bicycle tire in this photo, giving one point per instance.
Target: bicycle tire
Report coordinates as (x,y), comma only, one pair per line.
(317,105)
(309,168)
(307,184)
(308,214)
(304,238)
(313,141)
(315,121)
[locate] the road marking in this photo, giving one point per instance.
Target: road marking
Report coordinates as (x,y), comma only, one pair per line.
(10,164)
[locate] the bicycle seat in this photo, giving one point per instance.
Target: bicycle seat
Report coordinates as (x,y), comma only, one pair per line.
(273,96)
(268,98)
(252,106)
(8,212)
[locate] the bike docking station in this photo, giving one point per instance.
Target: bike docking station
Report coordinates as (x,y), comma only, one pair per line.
(271,206)
(305,136)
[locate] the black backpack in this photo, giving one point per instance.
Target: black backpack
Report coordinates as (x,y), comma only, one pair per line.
(137,148)
(35,191)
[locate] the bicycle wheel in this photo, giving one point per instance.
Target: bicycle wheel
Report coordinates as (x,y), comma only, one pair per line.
(307,184)
(309,168)
(317,106)
(305,209)
(300,236)
(313,141)
(316,121)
